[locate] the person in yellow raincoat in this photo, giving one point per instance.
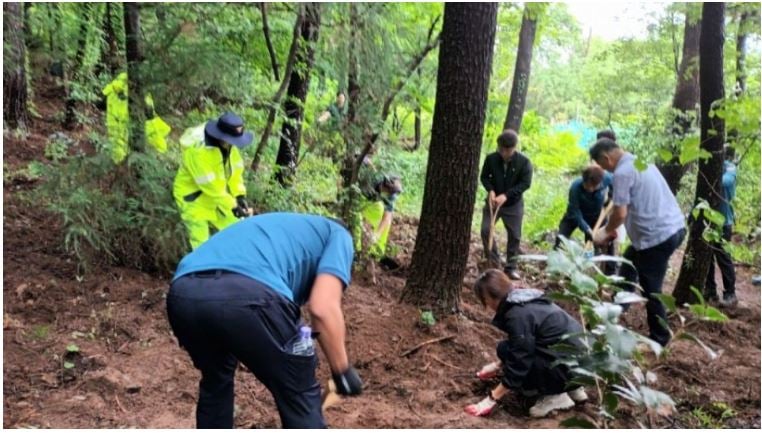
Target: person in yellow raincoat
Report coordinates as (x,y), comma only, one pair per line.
(117,116)
(209,189)
(118,120)
(377,211)
(156,129)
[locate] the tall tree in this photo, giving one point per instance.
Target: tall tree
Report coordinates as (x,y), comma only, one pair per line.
(523,68)
(109,58)
(685,98)
(444,232)
(15,107)
(293,106)
(268,40)
(698,254)
(742,34)
(134,58)
(275,101)
(74,69)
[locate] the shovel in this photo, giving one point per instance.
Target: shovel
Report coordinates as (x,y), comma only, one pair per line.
(330,397)
(604,213)
(493,212)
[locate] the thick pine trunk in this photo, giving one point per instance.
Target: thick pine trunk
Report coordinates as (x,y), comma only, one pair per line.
(521,72)
(291,131)
(15,108)
(684,102)
(698,254)
(134,58)
(444,233)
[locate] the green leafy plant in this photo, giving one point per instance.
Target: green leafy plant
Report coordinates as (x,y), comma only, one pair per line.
(427,318)
(613,359)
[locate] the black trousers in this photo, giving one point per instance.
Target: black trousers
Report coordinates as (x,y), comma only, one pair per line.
(221,318)
(727,270)
(566,228)
(544,378)
(650,268)
(512,217)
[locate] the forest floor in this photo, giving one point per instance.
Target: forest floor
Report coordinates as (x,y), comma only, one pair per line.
(129,371)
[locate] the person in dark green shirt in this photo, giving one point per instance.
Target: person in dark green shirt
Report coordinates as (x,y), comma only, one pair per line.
(506,174)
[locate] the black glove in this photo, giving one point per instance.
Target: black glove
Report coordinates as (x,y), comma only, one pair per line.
(242,210)
(241,200)
(348,382)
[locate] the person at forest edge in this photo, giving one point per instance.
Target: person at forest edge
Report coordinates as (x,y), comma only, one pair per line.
(506,174)
(237,298)
(377,210)
(533,324)
(335,111)
(117,116)
(118,120)
(725,262)
(655,225)
(586,197)
(209,189)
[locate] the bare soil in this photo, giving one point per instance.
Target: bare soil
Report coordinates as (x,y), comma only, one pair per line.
(128,370)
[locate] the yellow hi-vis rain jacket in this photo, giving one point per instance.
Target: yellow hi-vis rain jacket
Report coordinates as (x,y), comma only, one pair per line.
(117,116)
(156,129)
(205,188)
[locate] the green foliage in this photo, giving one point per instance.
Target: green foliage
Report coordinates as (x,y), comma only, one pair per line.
(427,318)
(120,215)
(611,359)
(72,348)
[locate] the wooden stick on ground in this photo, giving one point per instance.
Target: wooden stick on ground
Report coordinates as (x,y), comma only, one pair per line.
(425,343)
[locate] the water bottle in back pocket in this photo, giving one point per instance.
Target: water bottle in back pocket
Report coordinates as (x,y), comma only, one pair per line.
(304,346)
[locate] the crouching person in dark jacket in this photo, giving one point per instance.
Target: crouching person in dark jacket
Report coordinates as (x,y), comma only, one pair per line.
(533,324)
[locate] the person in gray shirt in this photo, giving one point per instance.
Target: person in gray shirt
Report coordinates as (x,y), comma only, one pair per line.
(654,223)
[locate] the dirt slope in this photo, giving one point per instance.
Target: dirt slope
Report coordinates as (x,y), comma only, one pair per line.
(129,372)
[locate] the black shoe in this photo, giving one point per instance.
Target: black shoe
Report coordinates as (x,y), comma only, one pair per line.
(512,274)
(711,297)
(729,300)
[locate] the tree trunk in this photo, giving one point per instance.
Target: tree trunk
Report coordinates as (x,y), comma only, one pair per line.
(110,47)
(15,105)
(134,58)
(698,254)
(417,127)
(444,233)
(740,87)
(684,102)
(521,72)
(70,116)
(291,131)
(268,40)
(347,195)
(275,102)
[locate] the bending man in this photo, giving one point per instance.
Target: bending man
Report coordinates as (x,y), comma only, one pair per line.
(238,297)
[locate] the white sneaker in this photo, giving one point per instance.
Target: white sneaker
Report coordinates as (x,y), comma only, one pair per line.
(549,403)
(578,395)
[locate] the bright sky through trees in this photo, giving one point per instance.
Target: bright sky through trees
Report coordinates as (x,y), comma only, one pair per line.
(612,20)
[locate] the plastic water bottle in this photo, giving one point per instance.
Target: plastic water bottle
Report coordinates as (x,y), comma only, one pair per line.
(304,346)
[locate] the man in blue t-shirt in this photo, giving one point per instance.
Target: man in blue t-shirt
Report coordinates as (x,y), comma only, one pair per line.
(237,298)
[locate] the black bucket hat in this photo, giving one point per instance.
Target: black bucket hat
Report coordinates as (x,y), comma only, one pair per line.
(229,128)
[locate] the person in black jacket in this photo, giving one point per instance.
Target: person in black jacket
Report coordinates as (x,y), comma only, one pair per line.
(533,324)
(506,174)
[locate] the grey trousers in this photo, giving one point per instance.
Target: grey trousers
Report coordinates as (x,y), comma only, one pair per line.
(512,217)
